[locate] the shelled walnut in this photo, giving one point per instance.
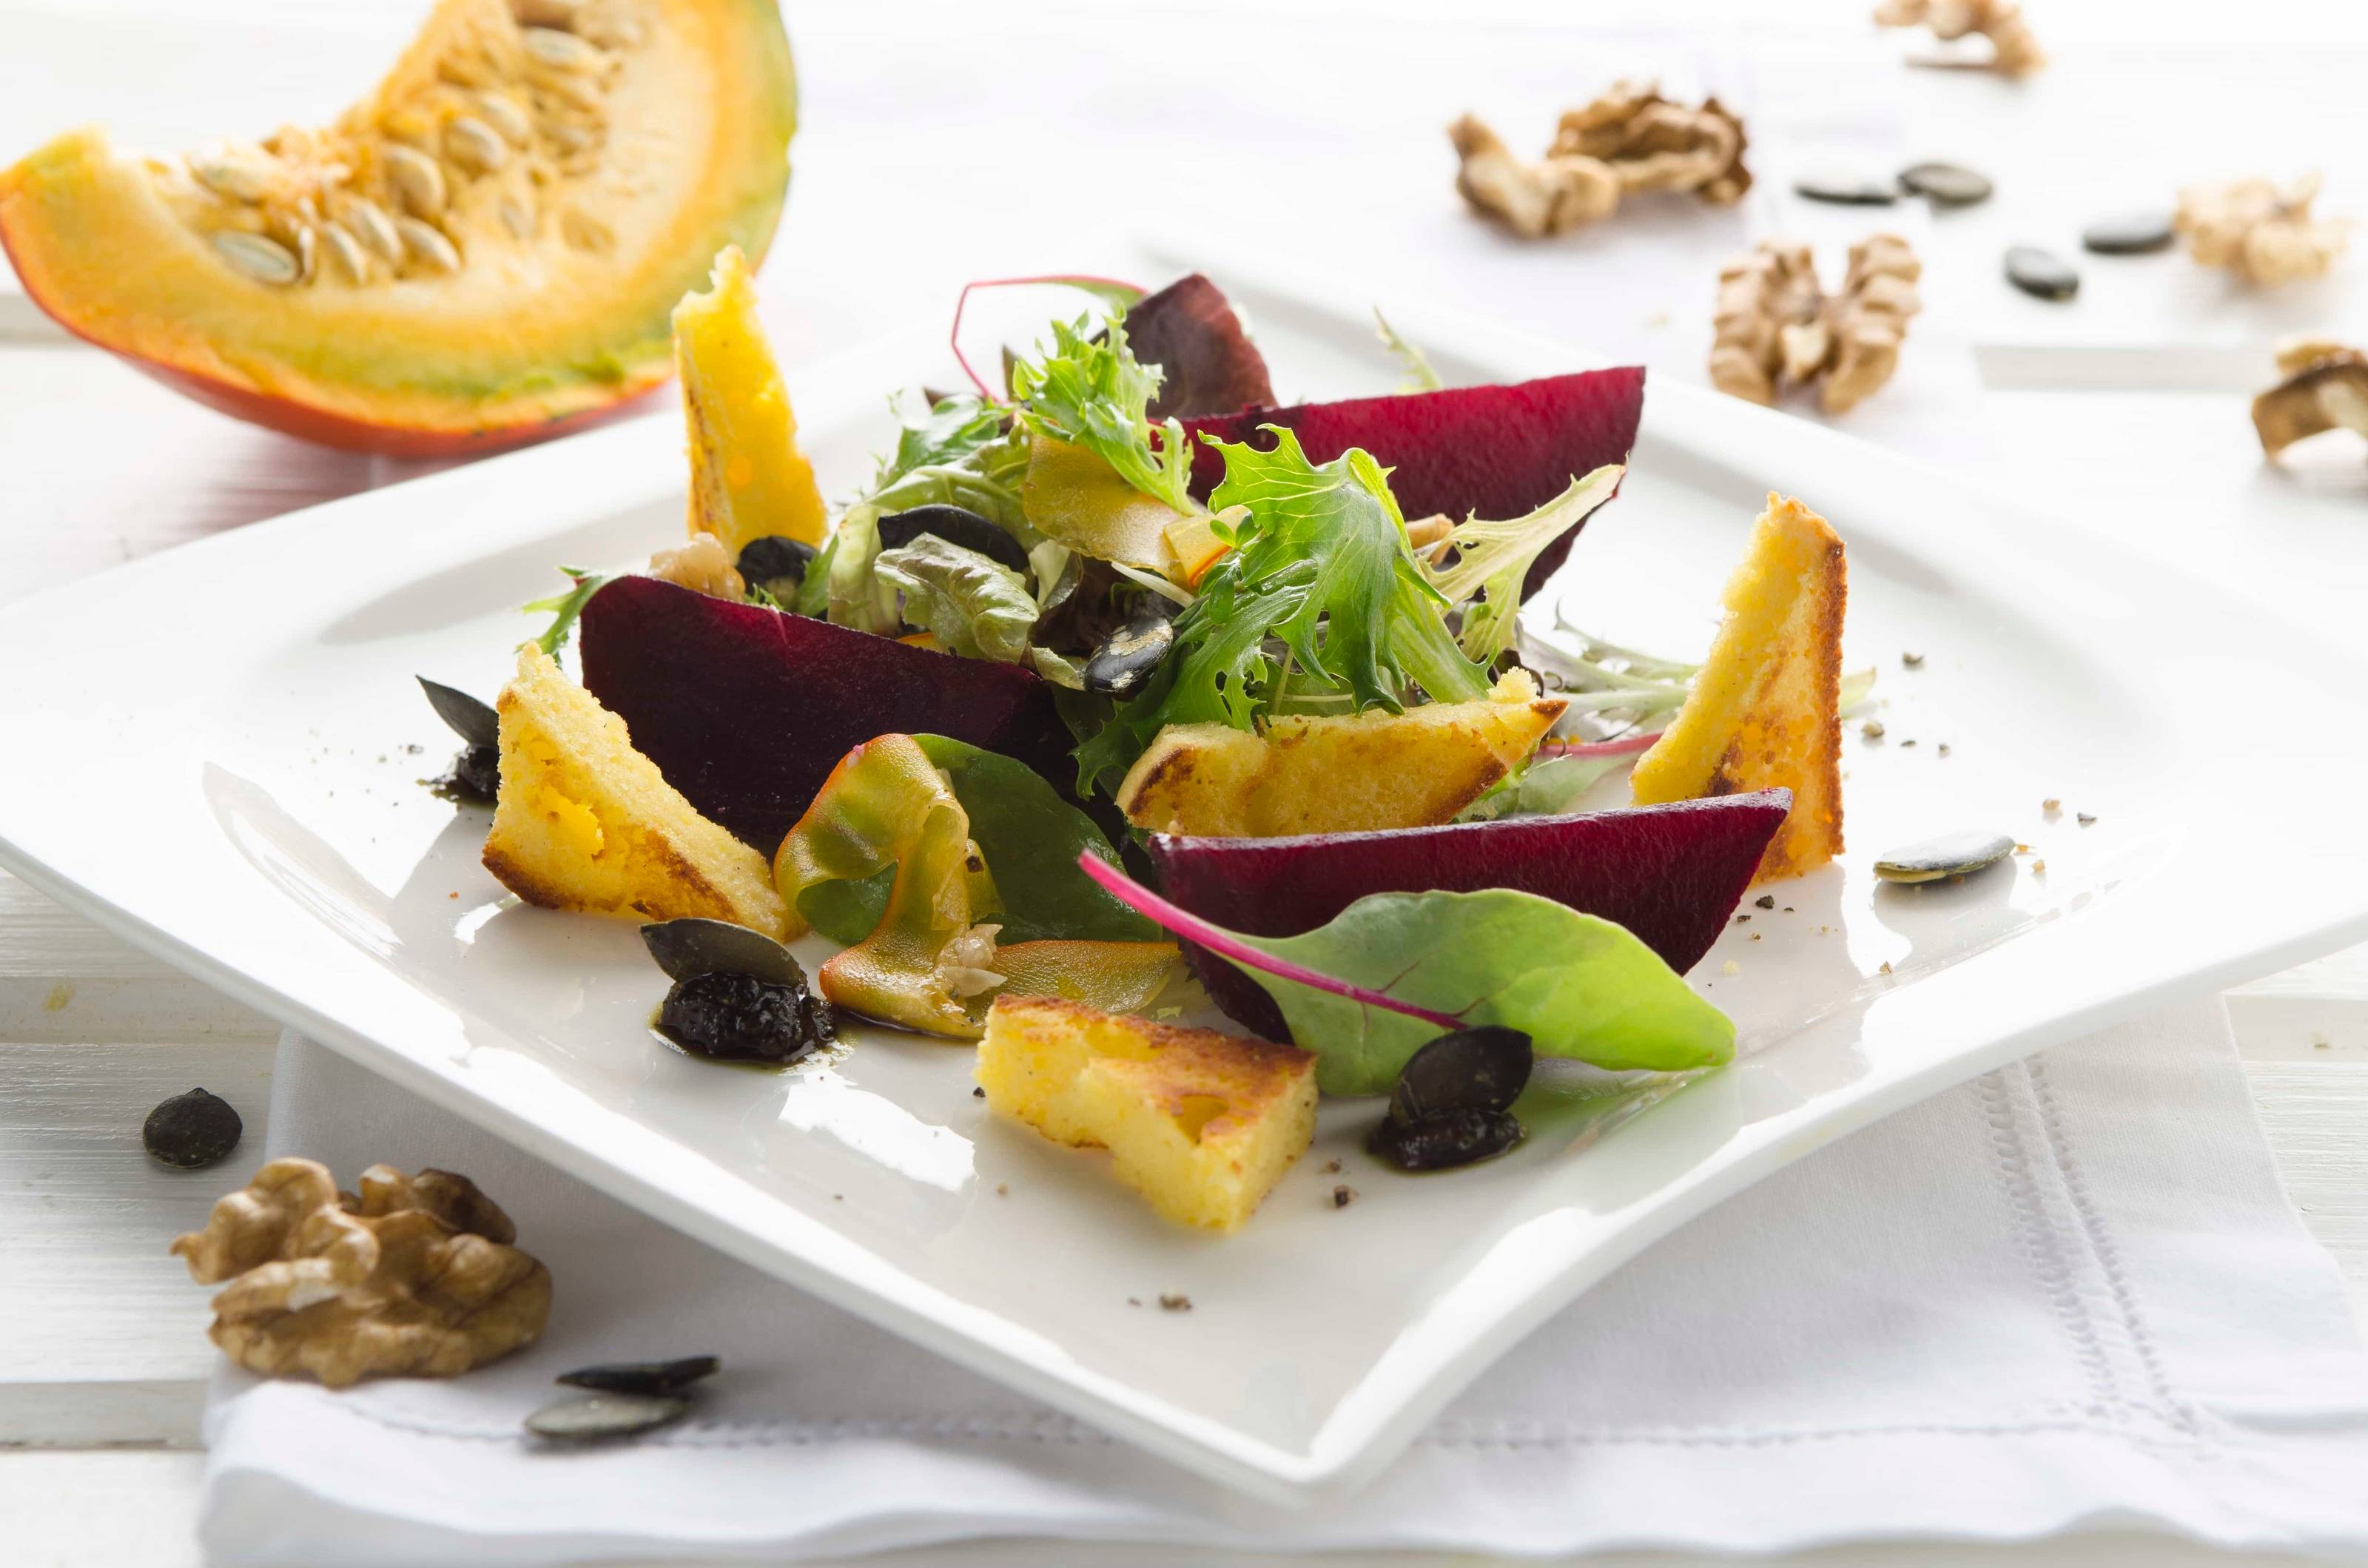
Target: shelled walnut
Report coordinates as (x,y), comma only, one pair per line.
(1629,140)
(1654,145)
(415,1276)
(2261,230)
(2326,386)
(703,565)
(2014,51)
(1774,325)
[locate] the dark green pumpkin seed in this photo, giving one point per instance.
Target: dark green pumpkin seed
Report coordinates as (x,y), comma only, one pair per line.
(193,1131)
(691,947)
(2131,234)
(1475,1069)
(1950,185)
(2040,273)
(642,1377)
(1951,855)
(595,1417)
(472,721)
(1846,190)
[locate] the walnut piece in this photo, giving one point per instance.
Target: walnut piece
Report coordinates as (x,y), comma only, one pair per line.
(2014,51)
(1630,139)
(1534,200)
(414,1277)
(2326,387)
(2259,230)
(1654,145)
(1774,326)
(703,566)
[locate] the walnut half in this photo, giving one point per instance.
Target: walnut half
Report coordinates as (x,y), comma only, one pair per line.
(2014,51)
(2259,230)
(414,1277)
(1773,325)
(2326,387)
(1629,140)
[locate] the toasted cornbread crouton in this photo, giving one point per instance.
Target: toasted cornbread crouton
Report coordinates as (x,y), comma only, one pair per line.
(1766,709)
(584,821)
(748,477)
(1373,770)
(1203,1124)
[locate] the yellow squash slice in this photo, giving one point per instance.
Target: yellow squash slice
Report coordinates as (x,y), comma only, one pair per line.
(747,478)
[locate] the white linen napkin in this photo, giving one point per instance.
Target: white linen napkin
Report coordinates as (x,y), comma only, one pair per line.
(2069,1295)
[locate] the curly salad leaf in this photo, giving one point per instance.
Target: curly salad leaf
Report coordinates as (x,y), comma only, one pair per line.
(970,604)
(1090,392)
(1369,987)
(1320,567)
(1492,556)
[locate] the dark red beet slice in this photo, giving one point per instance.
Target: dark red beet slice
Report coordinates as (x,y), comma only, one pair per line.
(1487,451)
(1670,874)
(746,710)
(1208,365)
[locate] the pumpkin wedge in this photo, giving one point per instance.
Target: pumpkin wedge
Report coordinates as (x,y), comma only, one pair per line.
(483,251)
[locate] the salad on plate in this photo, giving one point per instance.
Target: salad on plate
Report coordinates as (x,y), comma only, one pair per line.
(1122,700)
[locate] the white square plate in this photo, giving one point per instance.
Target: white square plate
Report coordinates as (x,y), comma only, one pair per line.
(215,752)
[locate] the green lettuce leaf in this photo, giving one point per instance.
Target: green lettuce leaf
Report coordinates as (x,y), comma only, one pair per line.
(976,607)
(1090,391)
(1492,556)
(944,433)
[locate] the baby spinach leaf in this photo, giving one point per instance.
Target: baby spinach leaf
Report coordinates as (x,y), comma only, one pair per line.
(1031,838)
(1371,986)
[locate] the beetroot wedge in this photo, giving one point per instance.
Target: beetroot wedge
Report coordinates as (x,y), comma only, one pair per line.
(1670,874)
(1208,365)
(1469,451)
(746,710)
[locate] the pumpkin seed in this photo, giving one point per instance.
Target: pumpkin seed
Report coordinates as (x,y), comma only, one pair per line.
(586,233)
(517,218)
(1475,1069)
(428,245)
(1127,656)
(774,559)
(471,720)
(306,244)
(642,1377)
(1951,855)
(474,145)
(238,175)
(2041,273)
(570,137)
(690,947)
(419,179)
(193,1131)
(1950,185)
(258,257)
(597,1415)
(502,112)
(370,225)
(1444,1140)
(2132,234)
(1848,191)
(352,260)
(562,50)
(581,94)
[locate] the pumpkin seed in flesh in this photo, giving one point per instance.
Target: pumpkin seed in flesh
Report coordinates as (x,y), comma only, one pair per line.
(258,257)
(562,50)
(517,218)
(597,1415)
(417,179)
(352,260)
(428,245)
(474,145)
(369,224)
(1951,855)
(648,1378)
(503,113)
(233,174)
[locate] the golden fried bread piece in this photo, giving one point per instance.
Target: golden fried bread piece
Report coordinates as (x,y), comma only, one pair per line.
(1352,773)
(584,821)
(1765,713)
(1203,1124)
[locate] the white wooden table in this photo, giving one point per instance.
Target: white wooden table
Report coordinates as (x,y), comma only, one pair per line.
(102,1350)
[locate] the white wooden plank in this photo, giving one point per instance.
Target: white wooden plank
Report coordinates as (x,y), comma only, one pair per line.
(105,1333)
(70,1510)
(63,979)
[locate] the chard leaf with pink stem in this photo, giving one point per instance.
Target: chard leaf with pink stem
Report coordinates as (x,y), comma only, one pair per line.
(1365,990)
